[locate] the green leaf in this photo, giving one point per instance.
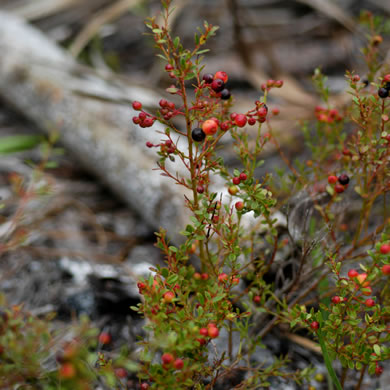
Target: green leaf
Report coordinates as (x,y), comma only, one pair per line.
(18,143)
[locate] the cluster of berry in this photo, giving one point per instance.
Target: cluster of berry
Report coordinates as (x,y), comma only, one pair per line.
(341,182)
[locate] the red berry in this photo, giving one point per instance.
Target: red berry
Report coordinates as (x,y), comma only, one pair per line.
(204,331)
(217,85)
(243,176)
(257,299)
(169,296)
(104,338)
(233,116)
(221,75)
(144,386)
(385,249)
(223,277)
(200,189)
(168,67)
(197,276)
(163,103)
(136,120)
(279,83)
(386,269)
(210,126)
(235,280)
(239,205)
(339,188)
(236,180)
(386,78)
(251,121)
(262,111)
(275,111)
(332,179)
(240,120)
(378,370)
(225,125)
(369,302)
(148,122)
(367,290)
(167,358)
(352,273)
(336,299)
(314,325)
(67,371)
(205,276)
(137,106)
(213,332)
(120,372)
(201,341)
(270,83)
(356,78)
(149,144)
(178,364)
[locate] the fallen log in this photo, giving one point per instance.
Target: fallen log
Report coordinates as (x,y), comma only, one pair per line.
(47,86)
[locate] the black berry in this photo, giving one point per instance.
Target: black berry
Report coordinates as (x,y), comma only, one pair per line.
(198,134)
(343,179)
(225,94)
(217,85)
(208,78)
(383,93)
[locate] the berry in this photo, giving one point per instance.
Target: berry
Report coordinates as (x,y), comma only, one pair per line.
(201,341)
(378,370)
(383,93)
(225,94)
(104,338)
(233,190)
(257,299)
(243,176)
(235,280)
(217,85)
(222,277)
(279,83)
(204,331)
(275,111)
(210,126)
(386,269)
(385,249)
(169,296)
(137,106)
(262,111)
(221,75)
(120,372)
(336,299)
(148,122)
(233,116)
(168,67)
(240,120)
(332,179)
(204,276)
(178,364)
(239,205)
(136,120)
(343,179)
(314,325)
(163,103)
(208,78)
(251,121)
(144,386)
(197,276)
(225,125)
(386,78)
(213,332)
(352,273)
(67,371)
(200,189)
(236,180)
(149,144)
(369,302)
(339,188)
(167,358)
(198,134)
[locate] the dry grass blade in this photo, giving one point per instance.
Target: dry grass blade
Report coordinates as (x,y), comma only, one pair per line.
(32,10)
(105,16)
